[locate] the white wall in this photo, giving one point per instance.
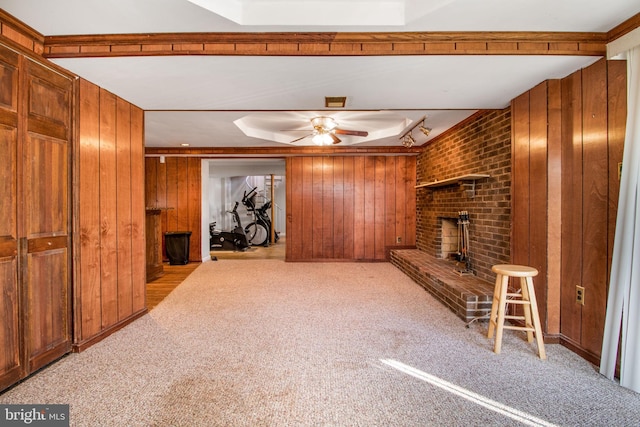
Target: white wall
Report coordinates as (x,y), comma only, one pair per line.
(225,191)
(225,181)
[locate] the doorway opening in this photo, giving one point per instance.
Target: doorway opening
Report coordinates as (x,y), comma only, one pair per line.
(226,185)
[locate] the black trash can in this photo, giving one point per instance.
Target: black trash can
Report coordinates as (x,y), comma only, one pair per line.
(176,244)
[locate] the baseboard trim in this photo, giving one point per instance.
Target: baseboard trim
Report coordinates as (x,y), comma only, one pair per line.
(585,354)
(83,345)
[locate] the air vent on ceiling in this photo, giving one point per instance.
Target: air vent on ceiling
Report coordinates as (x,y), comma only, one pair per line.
(335,101)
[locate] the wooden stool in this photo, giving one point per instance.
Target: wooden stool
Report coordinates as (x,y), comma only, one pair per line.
(527,299)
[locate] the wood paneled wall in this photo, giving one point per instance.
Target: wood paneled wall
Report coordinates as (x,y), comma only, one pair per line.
(594,117)
(568,138)
(349,208)
(110,259)
(176,185)
(36,134)
(20,33)
(536,191)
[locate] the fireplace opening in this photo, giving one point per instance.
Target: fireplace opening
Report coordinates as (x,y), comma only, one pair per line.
(447,238)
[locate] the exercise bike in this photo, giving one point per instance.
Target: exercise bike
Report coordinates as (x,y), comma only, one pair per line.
(235,239)
(259,231)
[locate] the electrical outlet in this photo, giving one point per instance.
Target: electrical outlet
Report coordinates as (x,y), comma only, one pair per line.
(398,239)
(580,295)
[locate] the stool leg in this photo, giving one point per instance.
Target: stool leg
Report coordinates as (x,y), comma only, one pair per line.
(502,308)
(494,305)
(526,308)
(536,319)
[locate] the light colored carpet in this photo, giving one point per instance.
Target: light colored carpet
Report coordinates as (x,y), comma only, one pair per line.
(269,343)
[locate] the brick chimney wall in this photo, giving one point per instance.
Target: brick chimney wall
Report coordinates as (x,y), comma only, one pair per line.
(482,145)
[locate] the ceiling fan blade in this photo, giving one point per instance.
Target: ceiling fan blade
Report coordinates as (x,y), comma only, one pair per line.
(351,132)
(336,140)
(296,140)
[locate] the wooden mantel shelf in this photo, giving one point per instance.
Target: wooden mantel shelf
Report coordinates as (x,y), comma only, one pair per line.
(454,180)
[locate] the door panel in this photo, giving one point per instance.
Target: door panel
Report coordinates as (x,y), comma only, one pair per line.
(44,222)
(46,187)
(11,368)
(47,303)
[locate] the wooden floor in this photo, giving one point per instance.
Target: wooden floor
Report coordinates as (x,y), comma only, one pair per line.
(173,275)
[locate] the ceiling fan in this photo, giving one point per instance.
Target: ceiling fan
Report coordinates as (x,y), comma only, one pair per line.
(325,129)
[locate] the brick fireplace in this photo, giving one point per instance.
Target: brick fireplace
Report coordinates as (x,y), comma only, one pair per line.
(479,145)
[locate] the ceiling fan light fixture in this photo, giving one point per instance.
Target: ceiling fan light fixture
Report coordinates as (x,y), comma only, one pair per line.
(322,138)
(324,123)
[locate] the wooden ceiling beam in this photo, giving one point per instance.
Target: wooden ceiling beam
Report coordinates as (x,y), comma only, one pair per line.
(327,44)
(231,152)
(624,28)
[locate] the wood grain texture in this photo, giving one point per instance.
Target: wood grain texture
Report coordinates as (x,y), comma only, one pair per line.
(520,174)
(348,213)
(390,209)
(328,43)
(593,117)
(194,206)
(595,204)
(44,213)
(138,276)
(316,211)
(11,351)
(328,242)
(617,114)
(123,205)
(567,141)
(554,207)
(212,152)
(11,368)
(176,186)
(108,210)
(48,302)
(182,191)
(151,183)
(571,236)
(153,248)
(8,142)
(110,290)
(368,213)
(359,194)
(87,286)
(347,207)
(538,196)
(338,196)
(306,241)
(171,181)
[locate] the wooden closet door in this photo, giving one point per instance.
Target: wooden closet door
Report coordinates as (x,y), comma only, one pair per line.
(11,369)
(44,221)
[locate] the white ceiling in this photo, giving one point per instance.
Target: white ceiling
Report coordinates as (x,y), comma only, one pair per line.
(196,99)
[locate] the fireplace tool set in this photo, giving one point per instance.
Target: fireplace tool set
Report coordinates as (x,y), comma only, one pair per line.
(463,266)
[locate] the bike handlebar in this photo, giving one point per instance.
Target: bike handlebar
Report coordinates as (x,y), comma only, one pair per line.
(249,195)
